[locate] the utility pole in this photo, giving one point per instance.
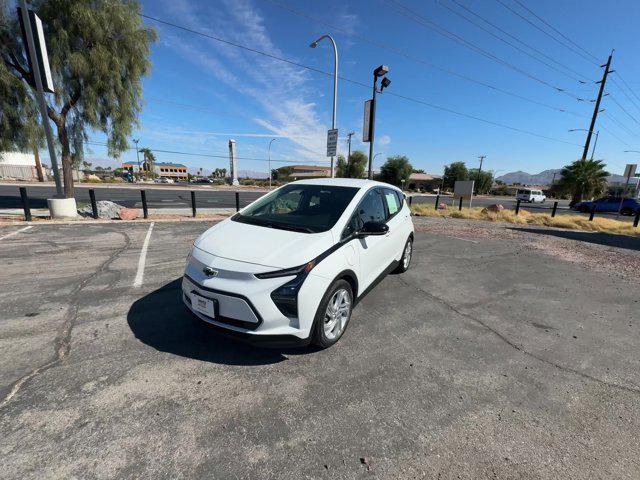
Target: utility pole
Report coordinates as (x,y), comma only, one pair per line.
(349,135)
(481,157)
(138,157)
(596,110)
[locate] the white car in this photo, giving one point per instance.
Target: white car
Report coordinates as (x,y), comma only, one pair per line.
(530,195)
(164,180)
(290,267)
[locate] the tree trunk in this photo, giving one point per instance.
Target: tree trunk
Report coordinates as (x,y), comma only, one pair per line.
(36,155)
(67,161)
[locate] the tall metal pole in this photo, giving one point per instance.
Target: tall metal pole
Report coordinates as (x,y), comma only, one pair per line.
(597,107)
(270,162)
(349,135)
(24,12)
(481,157)
(595,142)
(372,126)
(335,85)
(138,156)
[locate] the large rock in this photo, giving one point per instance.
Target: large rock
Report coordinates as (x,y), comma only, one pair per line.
(442,206)
(128,213)
(495,208)
(106,209)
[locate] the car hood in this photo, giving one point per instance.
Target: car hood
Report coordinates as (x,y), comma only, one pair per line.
(265,246)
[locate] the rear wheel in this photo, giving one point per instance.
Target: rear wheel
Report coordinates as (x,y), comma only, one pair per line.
(627,211)
(405,261)
(333,314)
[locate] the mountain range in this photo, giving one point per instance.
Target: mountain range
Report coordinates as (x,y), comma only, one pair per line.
(543,178)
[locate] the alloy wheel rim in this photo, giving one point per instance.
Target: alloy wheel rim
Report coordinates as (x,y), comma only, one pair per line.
(407,256)
(337,314)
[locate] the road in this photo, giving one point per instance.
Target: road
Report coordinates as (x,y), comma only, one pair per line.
(158,196)
(487,359)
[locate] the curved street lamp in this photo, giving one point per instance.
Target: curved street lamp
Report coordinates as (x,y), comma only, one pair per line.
(595,142)
(335,81)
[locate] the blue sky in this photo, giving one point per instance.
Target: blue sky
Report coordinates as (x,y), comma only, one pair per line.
(202,92)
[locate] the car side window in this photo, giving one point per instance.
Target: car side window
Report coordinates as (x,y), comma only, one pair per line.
(393,206)
(370,209)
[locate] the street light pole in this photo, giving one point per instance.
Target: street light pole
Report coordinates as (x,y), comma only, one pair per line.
(594,144)
(381,71)
(137,155)
(270,162)
(349,135)
(335,83)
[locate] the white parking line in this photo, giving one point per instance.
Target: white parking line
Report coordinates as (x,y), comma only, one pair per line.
(16,232)
(143,258)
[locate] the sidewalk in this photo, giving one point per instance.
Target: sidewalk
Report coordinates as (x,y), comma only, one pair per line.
(17,214)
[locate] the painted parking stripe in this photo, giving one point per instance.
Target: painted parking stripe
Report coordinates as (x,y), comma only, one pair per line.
(16,232)
(143,258)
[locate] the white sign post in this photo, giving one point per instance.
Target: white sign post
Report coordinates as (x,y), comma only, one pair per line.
(332,142)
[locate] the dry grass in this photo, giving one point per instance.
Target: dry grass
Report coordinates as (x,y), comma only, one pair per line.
(572,222)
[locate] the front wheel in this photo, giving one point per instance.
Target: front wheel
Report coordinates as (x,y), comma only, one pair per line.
(405,261)
(333,314)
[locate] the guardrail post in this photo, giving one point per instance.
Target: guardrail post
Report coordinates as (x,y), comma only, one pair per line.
(637,219)
(193,203)
(145,210)
(555,207)
(25,203)
(237,201)
(94,205)
(593,212)
(517,206)
(460,204)
(437,201)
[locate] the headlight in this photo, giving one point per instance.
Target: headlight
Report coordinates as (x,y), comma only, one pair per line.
(286,296)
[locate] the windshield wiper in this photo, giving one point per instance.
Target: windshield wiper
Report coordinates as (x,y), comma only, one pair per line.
(293,228)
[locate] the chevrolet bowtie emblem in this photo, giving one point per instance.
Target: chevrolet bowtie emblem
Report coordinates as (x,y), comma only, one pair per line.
(210,272)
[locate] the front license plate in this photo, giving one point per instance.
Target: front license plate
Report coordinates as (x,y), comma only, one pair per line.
(203,305)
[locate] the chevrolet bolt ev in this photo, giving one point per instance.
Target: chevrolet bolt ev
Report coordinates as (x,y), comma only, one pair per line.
(289,268)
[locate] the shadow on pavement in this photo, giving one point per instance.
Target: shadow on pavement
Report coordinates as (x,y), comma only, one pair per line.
(161,321)
(608,239)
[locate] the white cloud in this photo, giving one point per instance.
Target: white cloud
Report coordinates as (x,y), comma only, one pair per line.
(384,140)
(279,89)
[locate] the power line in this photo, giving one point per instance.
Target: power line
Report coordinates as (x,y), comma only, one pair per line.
(507,42)
(355,82)
(420,20)
(631,100)
(623,109)
(627,85)
(518,14)
(627,130)
(556,30)
(421,61)
(539,52)
(210,155)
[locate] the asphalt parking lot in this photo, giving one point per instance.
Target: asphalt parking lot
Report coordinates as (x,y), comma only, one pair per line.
(487,359)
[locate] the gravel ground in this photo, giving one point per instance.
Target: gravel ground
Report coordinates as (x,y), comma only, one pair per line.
(615,255)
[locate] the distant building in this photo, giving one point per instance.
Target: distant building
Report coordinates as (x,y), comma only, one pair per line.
(18,165)
(424,181)
(176,171)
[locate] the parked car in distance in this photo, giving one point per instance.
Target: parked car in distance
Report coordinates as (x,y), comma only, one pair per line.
(202,180)
(164,180)
(630,206)
(290,267)
(531,196)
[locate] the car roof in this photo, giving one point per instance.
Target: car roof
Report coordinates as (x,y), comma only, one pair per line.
(344,182)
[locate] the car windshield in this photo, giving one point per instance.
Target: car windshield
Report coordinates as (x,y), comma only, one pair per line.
(301,208)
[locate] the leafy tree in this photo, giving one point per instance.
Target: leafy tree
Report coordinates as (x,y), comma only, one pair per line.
(150,160)
(418,170)
(453,172)
(355,168)
(87,165)
(99,52)
(483,180)
(583,179)
(396,169)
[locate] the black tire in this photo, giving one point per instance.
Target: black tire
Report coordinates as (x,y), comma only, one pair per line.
(627,211)
(318,335)
(404,266)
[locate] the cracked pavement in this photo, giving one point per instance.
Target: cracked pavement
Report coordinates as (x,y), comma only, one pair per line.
(485,360)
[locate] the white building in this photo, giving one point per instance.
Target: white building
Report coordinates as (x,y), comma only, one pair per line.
(18,165)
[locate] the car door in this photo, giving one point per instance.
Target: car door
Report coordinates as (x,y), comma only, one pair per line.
(371,249)
(396,218)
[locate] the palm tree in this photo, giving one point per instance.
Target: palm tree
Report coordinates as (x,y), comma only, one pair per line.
(584,179)
(149,160)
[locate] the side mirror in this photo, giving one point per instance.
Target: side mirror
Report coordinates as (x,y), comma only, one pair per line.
(373,228)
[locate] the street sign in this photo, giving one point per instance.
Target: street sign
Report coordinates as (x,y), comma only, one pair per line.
(366,127)
(41,51)
(463,188)
(630,170)
(332,142)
